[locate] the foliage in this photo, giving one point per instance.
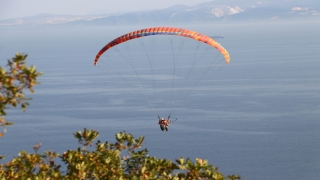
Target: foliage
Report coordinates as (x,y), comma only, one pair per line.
(13,82)
(123,159)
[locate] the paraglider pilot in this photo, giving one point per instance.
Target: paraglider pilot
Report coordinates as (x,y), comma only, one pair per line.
(164,123)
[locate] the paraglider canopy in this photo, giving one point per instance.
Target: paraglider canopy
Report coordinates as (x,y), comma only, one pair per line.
(164,31)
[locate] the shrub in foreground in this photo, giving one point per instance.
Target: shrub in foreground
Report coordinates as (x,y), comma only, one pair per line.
(123,159)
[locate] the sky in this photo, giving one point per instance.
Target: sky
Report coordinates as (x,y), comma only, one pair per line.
(22,8)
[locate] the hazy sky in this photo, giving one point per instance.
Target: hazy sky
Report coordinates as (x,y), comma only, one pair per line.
(21,8)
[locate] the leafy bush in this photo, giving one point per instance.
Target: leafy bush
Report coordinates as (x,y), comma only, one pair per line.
(123,159)
(13,82)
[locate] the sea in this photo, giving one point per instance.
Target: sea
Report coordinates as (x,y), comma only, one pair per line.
(257,116)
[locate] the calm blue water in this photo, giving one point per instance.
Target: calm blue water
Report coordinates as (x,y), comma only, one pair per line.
(257,116)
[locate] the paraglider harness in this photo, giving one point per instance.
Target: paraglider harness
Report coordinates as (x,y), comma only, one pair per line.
(165,123)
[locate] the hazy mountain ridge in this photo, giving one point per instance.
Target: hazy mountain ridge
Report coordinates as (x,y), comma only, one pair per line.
(218,10)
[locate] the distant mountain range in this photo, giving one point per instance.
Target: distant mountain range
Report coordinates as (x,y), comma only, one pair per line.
(217,10)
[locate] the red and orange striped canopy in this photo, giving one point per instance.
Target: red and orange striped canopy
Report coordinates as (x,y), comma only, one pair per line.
(164,31)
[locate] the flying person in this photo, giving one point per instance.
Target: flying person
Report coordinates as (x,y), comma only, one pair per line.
(164,123)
